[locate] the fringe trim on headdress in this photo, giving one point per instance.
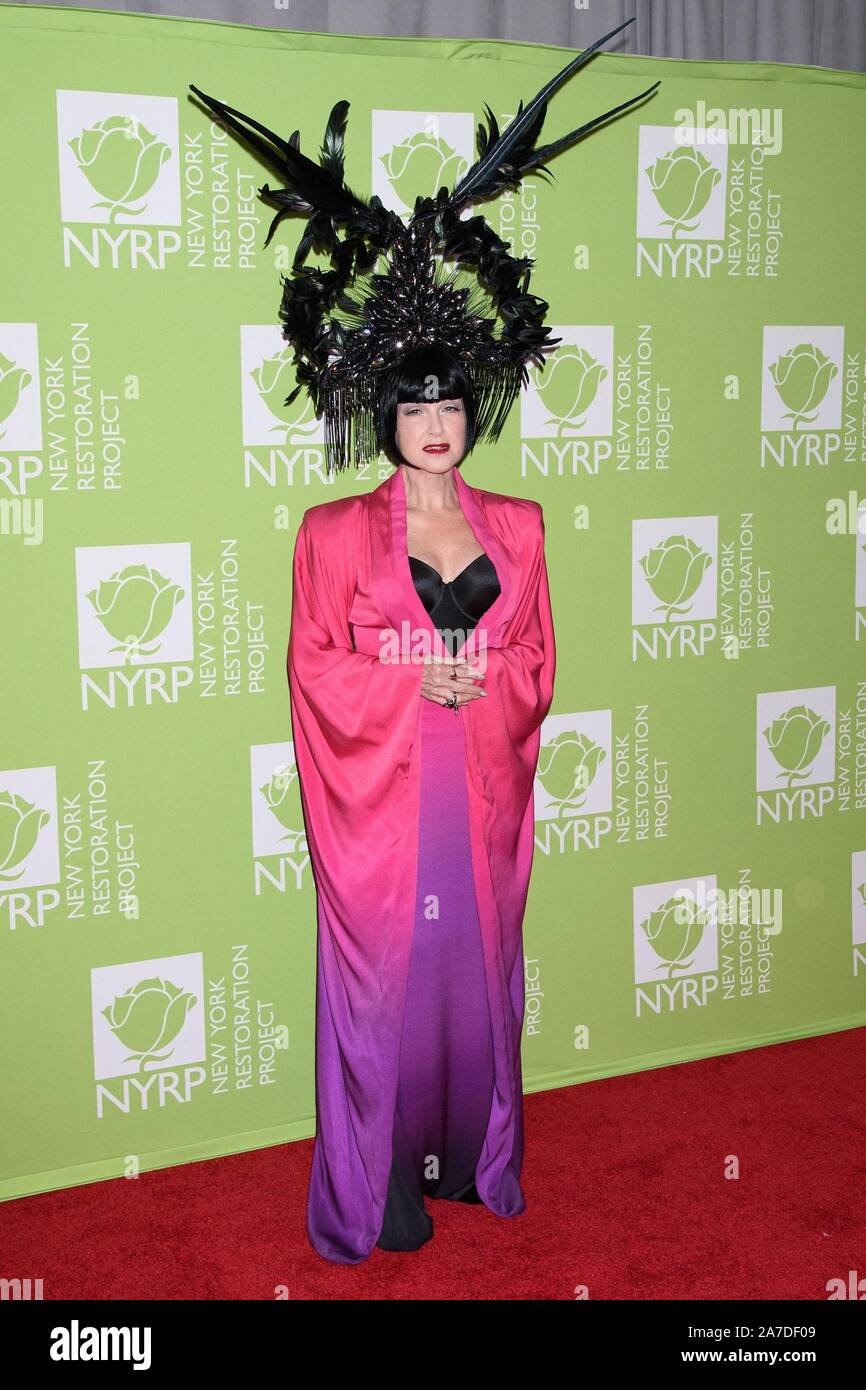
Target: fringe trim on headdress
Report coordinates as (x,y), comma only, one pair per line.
(350,423)
(350,411)
(496,388)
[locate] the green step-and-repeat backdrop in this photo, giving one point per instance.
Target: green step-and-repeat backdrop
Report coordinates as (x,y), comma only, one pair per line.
(697,443)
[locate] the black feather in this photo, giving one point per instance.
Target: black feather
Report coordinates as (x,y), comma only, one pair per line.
(333,144)
(311,182)
(507,156)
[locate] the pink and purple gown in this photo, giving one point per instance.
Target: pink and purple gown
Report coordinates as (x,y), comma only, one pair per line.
(359,635)
(446,1067)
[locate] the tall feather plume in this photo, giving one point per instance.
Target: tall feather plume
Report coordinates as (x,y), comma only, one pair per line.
(505,158)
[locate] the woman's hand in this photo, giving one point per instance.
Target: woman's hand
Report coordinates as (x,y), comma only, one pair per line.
(438,685)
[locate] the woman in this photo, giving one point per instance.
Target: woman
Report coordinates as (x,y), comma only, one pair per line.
(416,747)
(420,825)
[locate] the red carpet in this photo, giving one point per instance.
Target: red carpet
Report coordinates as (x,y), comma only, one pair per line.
(625,1188)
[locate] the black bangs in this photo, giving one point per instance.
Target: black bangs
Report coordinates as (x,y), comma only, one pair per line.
(426,373)
(429,374)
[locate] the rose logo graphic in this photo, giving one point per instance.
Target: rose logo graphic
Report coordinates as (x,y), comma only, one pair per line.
(135,607)
(276,794)
(423,163)
(20,824)
(682,182)
(120,158)
(147,1019)
(567,768)
(795,740)
(12,382)
(674,932)
(802,377)
(674,571)
(568,386)
(272,379)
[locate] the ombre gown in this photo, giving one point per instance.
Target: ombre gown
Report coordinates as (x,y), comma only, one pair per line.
(445,1085)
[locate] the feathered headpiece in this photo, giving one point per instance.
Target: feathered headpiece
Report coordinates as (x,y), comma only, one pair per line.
(340,360)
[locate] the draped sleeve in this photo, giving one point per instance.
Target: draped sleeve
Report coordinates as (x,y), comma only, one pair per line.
(354,715)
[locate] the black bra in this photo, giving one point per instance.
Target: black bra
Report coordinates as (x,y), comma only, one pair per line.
(457,604)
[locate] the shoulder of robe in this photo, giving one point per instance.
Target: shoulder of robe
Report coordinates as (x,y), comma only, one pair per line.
(521,518)
(330,518)
(503,502)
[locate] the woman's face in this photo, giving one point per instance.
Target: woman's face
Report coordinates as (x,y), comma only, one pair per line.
(421,426)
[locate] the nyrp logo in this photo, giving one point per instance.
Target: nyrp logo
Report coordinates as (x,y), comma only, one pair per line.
(120,174)
(134,606)
(674,585)
(676,952)
(568,406)
(573,787)
(680,203)
(148,1020)
(280,852)
(136,610)
(801,395)
(20,401)
(417,152)
(572,780)
(149,630)
(795,753)
(29,846)
(290,436)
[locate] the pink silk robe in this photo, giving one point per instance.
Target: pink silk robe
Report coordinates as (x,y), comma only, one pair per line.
(356,722)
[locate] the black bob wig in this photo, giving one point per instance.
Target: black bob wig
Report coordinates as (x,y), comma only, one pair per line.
(426,373)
